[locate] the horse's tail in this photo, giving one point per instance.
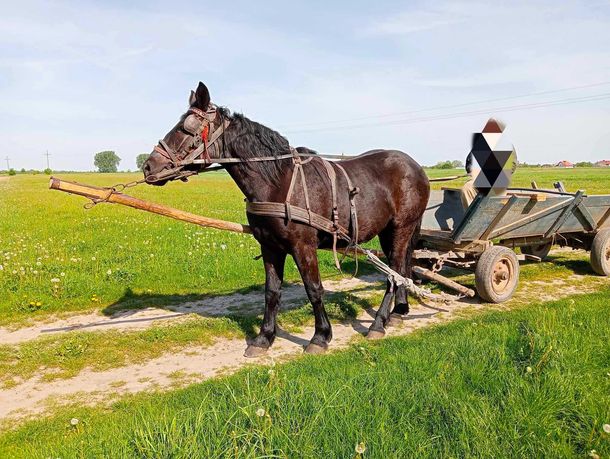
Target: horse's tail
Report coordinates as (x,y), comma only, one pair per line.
(413,245)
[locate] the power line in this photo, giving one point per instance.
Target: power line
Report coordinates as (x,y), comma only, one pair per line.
(47,155)
(8,166)
(442,107)
(508,108)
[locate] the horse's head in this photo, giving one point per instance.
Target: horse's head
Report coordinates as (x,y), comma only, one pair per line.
(185,149)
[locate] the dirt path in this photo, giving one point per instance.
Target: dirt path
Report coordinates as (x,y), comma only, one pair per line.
(138,319)
(192,364)
(172,370)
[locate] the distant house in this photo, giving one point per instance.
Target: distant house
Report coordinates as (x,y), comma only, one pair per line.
(603,163)
(564,163)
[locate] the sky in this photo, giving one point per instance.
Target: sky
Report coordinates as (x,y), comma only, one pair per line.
(339,77)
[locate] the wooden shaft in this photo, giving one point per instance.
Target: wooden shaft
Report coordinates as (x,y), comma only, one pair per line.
(443,280)
(106,194)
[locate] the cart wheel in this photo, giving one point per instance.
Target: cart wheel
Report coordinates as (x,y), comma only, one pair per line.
(497,274)
(600,253)
(539,250)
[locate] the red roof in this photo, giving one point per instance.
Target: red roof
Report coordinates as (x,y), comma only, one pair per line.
(603,162)
(565,163)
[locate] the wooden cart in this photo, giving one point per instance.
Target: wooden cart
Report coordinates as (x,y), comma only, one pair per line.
(483,237)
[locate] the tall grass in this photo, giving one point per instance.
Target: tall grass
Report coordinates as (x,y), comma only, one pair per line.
(533,382)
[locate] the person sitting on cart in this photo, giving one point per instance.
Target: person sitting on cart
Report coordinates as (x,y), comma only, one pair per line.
(469,192)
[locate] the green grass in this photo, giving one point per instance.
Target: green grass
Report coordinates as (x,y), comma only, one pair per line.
(115,257)
(112,254)
(533,382)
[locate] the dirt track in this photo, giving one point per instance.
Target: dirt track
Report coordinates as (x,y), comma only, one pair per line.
(224,356)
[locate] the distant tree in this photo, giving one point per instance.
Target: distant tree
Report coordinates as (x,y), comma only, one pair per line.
(12,171)
(48,171)
(22,170)
(106,161)
(457,164)
(141,159)
(584,164)
(443,165)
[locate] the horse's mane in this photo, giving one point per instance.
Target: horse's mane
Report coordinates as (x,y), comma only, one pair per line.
(249,139)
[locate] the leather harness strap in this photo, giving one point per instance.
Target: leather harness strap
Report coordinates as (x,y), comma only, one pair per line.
(203,140)
(307,216)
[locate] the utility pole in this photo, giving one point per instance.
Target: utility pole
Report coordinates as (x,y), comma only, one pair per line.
(47,155)
(8,166)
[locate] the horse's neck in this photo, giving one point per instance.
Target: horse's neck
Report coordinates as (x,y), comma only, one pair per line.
(250,181)
(253,185)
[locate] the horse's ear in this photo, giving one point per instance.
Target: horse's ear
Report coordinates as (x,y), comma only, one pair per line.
(202,96)
(192,99)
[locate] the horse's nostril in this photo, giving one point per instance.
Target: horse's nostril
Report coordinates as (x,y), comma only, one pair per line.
(146,168)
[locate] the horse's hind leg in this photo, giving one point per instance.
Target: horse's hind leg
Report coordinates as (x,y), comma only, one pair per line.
(274,275)
(395,242)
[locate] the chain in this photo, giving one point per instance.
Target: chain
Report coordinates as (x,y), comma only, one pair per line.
(118,188)
(438,264)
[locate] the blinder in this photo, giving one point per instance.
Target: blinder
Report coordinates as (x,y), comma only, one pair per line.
(198,124)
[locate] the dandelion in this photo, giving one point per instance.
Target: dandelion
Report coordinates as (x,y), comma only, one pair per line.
(1,268)
(593,454)
(93,258)
(528,369)
(74,422)
(55,280)
(606,428)
(38,303)
(38,263)
(223,246)
(109,272)
(360,448)
(260,412)
(62,274)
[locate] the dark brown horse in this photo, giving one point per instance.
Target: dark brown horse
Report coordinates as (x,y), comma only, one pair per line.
(393,194)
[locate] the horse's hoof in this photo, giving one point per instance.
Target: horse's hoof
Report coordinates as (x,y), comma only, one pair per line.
(315,349)
(375,334)
(255,351)
(396,320)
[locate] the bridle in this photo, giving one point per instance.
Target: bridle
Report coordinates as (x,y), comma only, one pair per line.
(203,133)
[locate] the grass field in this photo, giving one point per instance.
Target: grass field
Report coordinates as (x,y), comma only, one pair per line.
(56,257)
(532,382)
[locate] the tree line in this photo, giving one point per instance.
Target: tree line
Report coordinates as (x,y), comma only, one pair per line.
(108,161)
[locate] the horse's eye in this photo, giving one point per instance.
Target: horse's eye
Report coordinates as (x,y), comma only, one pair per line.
(192,125)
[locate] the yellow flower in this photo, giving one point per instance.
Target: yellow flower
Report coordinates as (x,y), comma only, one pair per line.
(360,448)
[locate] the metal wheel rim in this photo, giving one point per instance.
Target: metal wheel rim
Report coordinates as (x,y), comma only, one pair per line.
(502,275)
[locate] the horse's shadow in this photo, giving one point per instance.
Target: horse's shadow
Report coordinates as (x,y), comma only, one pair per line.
(243,307)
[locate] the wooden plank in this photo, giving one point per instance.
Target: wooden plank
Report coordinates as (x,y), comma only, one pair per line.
(529,218)
(428,274)
(470,212)
(556,226)
(505,208)
(586,215)
(606,217)
(106,194)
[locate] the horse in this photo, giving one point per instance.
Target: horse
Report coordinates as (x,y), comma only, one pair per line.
(393,194)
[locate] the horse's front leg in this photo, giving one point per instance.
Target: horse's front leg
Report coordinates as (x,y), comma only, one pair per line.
(274,275)
(306,259)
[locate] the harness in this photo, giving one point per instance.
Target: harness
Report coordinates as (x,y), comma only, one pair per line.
(205,133)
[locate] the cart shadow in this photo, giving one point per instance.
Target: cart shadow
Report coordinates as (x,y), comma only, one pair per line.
(580,267)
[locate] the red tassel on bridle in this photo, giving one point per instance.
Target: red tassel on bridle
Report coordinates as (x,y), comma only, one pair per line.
(205,132)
